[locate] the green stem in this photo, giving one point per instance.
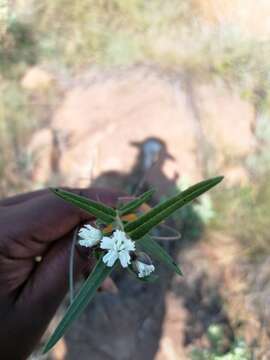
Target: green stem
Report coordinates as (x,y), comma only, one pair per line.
(118,221)
(71,266)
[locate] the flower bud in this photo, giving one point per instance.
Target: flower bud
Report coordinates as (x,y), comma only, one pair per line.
(89,236)
(142,265)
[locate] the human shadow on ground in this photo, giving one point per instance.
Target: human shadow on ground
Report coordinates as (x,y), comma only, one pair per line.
(128,325)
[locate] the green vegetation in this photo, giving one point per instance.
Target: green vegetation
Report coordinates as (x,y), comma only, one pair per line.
(259,163)
(71,35)
(167,34)
(122,32)
(136,229)
(244,213)
(16,124)
(215,334)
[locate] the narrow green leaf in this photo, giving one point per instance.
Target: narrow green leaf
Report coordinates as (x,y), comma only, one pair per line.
(133,205)
(138,228)
(85,295)
(100,211)
(154,249)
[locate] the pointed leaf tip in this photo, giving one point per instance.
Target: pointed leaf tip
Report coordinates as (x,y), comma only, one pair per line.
(150,246)
(138,228)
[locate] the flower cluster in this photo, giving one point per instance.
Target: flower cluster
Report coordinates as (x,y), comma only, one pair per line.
(118,247)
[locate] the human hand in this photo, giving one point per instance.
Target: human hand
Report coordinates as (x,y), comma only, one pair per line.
(33,225)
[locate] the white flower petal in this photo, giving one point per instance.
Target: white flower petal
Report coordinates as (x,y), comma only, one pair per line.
(84,233)
(119,235)
(110,258)
(130,245)
(107,243)
(89,227)
(85,242)
(119,246)
(124,258)
(144,269)
(89,235)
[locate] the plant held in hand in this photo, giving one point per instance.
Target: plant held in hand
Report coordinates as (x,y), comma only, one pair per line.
(121,237)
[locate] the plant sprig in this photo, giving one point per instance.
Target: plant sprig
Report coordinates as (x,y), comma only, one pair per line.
(135,230)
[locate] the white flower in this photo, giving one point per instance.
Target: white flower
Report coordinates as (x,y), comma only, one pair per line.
(89,236)
(118,246)
(143,269)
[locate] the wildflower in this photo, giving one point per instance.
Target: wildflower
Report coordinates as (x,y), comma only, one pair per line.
(119,247)
(144,269)
(143,265)
(89,236)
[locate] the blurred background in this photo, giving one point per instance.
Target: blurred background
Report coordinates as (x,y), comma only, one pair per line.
(131,94)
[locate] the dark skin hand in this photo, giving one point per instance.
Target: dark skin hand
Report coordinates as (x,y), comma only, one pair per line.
(31,225)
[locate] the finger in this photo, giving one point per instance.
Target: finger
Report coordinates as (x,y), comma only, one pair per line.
(44,291)
(28,228)
(17,199)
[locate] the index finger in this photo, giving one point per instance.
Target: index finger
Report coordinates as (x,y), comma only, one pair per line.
(28,228)
(16,199)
